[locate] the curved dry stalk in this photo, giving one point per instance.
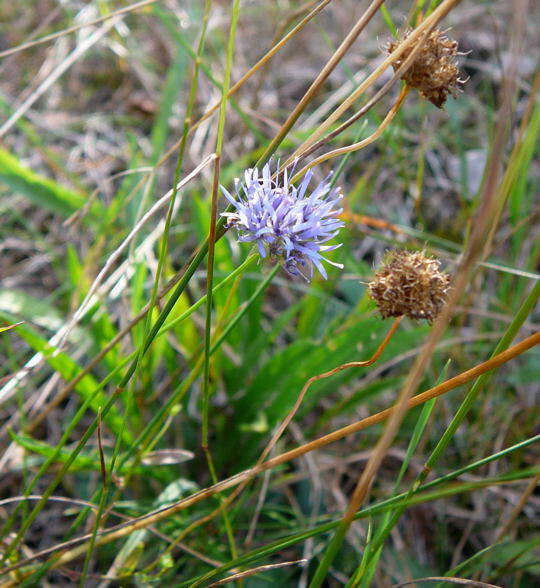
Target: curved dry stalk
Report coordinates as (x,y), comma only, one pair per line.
(417,400)
(280,430)
(307,385)
(361,144)
(378,95)
(376,98)
(78,546)
(331,64)
(427,25)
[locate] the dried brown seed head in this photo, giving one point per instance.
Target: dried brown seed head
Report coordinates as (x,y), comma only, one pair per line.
(434,72)
(410,283)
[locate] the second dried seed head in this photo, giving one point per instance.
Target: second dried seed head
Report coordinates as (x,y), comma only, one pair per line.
(434,72)
(410,284)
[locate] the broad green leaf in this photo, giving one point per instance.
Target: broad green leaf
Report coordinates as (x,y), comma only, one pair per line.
(40,190)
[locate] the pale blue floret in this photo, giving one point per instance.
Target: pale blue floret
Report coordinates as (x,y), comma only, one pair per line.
(284,221)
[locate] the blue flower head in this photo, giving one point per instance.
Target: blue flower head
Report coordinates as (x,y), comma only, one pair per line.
(286,222)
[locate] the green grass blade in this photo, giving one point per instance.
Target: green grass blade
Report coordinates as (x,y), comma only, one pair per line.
(41,191)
